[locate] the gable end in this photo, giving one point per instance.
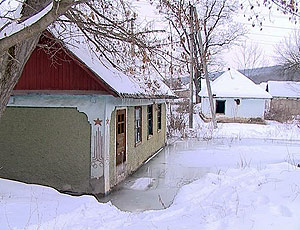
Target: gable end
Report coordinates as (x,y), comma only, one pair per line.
(57,70)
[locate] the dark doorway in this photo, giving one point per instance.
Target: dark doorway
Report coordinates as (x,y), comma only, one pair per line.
(220,106)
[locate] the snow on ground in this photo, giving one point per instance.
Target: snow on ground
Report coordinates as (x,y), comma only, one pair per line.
(243,198)
(246,199)
(222,154)
(244,191)
(272,130)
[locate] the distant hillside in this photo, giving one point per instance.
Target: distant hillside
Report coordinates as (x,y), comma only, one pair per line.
(273,73)
(258,75)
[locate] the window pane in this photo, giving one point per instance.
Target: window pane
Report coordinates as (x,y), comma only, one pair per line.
(119,129)
(137,114)
(138,130)
(159,116)
(150,120)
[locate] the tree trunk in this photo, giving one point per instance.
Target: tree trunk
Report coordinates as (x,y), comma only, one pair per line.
(203,58)
(197,73)
(12,63)
(197,82)
(17,48)
(191,104)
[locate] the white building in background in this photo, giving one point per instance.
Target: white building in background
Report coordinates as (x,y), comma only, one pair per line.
(235,96)
(286,99)
(283,89)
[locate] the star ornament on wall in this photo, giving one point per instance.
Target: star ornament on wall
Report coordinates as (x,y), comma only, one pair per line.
(98,122)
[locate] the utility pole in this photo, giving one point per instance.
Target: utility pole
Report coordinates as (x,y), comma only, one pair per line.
(191,105)
(171,64)
(203,60)
(171,61)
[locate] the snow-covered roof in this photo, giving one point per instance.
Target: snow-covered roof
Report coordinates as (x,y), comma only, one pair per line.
(284,89)
(120,83)
(125,86)
(263,85)
(234,84)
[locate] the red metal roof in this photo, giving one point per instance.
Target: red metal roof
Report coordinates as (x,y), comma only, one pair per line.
(57,70)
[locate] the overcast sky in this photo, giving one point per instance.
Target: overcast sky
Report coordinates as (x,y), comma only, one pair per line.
(276,26)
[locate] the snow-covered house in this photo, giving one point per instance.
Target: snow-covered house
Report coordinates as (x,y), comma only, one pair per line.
(77,125)
(286,97)
(235,96)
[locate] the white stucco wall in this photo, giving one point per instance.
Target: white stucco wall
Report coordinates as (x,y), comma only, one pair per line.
(248,108)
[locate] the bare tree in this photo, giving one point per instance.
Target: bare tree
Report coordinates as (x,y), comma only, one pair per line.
(108,26)
(16,48)
(204,64)
(248,57)
(218,31)
(288,52)
(287,7)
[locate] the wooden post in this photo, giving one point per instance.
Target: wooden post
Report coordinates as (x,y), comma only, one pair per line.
(191,105)
(203,59)
(171,60)
(171,68)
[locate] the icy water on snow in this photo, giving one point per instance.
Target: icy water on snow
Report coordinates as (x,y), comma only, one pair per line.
(155,184)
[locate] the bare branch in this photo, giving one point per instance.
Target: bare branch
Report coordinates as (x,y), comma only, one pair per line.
(38,27)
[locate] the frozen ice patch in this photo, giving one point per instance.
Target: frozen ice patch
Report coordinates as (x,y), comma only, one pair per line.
(143,183)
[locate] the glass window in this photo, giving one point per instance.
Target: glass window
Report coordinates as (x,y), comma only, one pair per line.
(150,119)
(159,117)
(138,124)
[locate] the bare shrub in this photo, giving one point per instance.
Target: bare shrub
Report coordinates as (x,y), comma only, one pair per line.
(176,125)
(183,107)
(280,115)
